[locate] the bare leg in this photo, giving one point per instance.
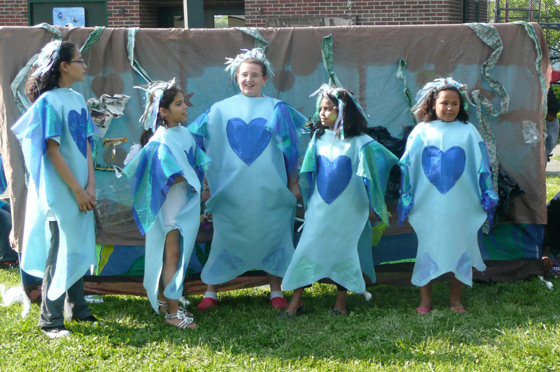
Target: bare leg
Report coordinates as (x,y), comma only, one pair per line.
(275,282)
(340,303)
(170,265)
(456,288)
(426,296)
(296,302)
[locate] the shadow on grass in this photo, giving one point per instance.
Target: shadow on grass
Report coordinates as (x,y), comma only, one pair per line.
(384,330)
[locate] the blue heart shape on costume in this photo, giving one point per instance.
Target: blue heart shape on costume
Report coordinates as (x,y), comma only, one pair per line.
(77,125)
(248,141)
(333,176)
(443,169)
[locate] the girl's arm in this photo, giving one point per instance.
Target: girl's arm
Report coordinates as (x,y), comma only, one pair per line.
(293,185)
(85,202)
(90,187)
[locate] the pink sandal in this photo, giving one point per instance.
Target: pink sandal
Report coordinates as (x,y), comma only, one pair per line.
(423,310)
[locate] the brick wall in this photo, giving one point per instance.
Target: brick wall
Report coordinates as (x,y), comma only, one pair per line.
(123,13)
(13,13)
(367,12)
(143,13)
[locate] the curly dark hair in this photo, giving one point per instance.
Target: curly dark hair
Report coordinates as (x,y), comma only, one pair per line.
(35,86)
(354,122)
(427,112)
(166,100)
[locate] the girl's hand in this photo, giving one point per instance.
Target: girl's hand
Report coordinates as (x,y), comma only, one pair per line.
(205,195)
(294,189)
(90,190)
(373,217)
(85,203)
(293,186)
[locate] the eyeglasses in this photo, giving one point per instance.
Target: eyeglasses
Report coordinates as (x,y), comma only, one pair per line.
(252,76)
(80,61)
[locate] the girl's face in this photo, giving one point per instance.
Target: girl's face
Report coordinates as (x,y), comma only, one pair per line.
(328,113)
(75,69)
(176,113)
(447,105)
(250,79)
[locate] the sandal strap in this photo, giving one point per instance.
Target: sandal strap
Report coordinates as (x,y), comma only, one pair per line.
(185,320)
(162,303)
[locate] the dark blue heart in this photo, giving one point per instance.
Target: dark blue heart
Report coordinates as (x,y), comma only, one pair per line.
(333,176)
(443,169)
(77,125)
(248,141)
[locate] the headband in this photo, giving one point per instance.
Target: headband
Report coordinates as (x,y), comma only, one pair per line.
(424,93)
(154,92)
(256,53)
(335,92)
(46,58)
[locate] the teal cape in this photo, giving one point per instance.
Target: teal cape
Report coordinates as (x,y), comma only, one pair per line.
(253,143)
(446,192)
(345,180)
(170,153)
(59,114)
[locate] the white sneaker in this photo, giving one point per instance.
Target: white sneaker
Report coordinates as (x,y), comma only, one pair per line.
(56,332)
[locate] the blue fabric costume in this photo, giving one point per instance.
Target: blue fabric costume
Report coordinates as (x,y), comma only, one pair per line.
(170,153)
(59,114)
(253,145)
(447,194)
(346,179)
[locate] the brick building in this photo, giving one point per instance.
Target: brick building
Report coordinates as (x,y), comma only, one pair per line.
(251,13)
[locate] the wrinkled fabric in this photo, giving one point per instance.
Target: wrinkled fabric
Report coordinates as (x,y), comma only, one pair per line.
(253,145)
(170,153)
(3,182)
(61,115)
(447,195)
(337,237)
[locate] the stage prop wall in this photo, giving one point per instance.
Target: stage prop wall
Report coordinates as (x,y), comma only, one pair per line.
(504,66)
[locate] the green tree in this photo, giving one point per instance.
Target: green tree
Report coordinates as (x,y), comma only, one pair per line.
(546,12)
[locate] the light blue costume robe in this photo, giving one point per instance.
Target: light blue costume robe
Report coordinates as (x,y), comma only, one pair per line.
(170,153)
(446,192)
(60,114)
(253,145)
(346,178)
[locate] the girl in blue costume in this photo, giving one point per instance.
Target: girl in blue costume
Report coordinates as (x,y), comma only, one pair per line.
(252,140)
(347,173)
(55,136)
(166,180)
(446,190)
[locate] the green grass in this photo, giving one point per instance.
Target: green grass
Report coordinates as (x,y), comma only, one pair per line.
(552,186)
(508,327)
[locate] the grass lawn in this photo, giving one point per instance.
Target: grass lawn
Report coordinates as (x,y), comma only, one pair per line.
(508,327)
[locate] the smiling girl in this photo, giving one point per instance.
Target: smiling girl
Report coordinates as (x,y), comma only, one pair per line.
(253,184)
(446,190)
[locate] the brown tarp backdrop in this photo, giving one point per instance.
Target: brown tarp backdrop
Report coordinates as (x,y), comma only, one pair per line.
(379,64)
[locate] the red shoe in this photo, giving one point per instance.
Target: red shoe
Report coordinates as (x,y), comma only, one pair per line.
(279,303)
(207,303)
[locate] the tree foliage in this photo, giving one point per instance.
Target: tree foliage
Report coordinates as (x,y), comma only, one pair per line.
(545,12)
